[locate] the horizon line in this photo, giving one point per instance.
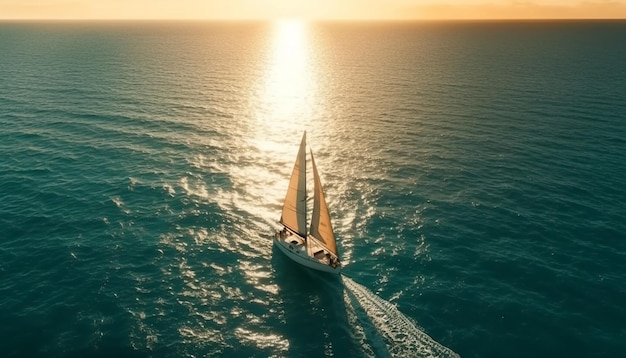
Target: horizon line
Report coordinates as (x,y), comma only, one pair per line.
(451,19)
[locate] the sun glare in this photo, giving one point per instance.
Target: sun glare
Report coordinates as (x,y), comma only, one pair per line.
(289,88)
(282,105)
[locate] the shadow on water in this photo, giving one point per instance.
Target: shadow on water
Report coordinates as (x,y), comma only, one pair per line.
(315,319)
(111,352)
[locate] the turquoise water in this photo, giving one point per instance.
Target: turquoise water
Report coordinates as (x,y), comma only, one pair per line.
(474,173)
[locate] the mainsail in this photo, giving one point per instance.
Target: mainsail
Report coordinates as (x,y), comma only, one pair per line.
(321,228)
(294,207)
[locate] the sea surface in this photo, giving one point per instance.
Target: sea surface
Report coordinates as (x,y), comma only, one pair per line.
(475,173)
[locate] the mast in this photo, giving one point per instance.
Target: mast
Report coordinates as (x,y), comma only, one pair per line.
(294,206)
(321,227)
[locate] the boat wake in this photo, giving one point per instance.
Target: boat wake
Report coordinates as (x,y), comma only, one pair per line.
(400,336)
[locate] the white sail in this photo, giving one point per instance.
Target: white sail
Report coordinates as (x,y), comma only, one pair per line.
(294,207)
(321,228)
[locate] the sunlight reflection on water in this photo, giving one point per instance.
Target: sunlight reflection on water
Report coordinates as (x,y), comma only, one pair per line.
(287,100)
(282,107)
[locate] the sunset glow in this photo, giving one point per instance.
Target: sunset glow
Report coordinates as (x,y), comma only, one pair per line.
(313,10)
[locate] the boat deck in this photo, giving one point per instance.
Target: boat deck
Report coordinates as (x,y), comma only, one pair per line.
(313,255)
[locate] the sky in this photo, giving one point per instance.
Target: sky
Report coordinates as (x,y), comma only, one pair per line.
(313,9)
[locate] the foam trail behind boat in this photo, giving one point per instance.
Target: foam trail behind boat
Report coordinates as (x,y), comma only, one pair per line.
(402,338)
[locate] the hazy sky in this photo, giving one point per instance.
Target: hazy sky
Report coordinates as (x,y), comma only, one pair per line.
(311,9)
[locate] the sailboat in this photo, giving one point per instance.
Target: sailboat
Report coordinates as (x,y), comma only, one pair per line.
(315,248)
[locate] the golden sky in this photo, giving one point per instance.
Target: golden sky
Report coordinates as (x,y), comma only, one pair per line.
(312,9)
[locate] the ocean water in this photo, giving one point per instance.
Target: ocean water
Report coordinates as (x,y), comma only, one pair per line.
(474,173)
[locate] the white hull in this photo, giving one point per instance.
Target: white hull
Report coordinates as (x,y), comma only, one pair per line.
(293,246)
